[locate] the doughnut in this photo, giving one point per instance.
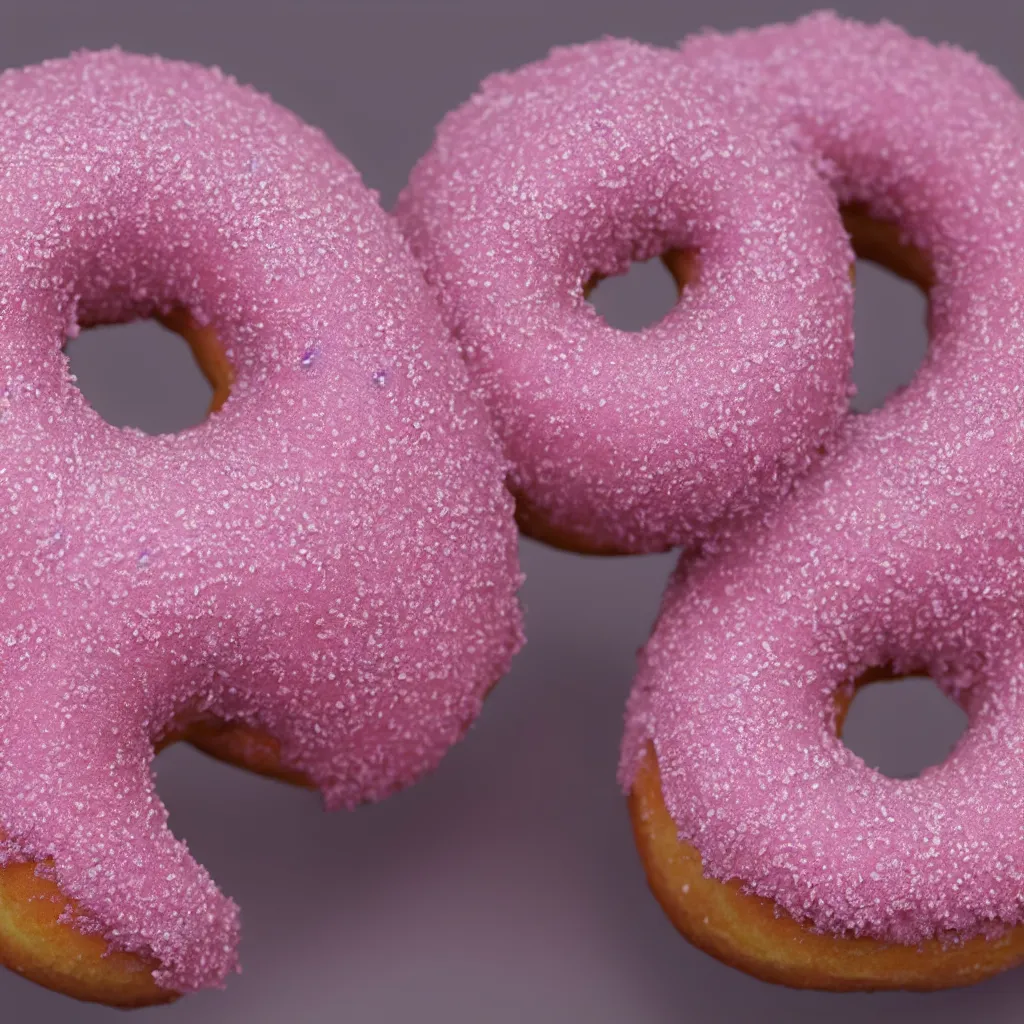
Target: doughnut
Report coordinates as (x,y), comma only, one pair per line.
(769,843)
(565,171)
(318,581)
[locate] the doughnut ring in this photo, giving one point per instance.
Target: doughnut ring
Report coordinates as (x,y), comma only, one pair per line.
(565,171)
(318,581)
(769,843)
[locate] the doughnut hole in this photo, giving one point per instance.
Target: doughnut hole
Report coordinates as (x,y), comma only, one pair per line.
(750,933)
(645,294)
(140,375)
(890,315)
(898,724)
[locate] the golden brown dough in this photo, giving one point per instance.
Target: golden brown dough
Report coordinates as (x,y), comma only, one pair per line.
(750,933)
(36,943)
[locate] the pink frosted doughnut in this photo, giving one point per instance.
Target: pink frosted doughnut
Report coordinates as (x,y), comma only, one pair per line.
(903,548)
(329,560)
(573,167)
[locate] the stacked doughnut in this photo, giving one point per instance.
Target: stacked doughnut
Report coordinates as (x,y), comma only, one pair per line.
(318,582)
(823,548)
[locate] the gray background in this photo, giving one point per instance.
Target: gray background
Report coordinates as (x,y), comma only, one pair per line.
(506,887)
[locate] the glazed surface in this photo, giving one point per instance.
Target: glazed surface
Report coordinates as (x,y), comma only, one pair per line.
(902,547)
(329,560)
(575,166)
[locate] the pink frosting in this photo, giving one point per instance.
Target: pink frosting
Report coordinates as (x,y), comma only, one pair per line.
(904,546)
(595,157)
(331,558)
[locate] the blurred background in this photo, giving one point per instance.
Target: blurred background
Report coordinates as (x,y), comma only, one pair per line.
(505,888)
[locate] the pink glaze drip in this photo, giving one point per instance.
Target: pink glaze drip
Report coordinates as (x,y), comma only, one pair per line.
(595,157)
(331,558)
(904,546)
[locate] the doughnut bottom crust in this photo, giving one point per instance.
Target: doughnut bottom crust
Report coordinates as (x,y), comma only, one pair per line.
(752,934)
(244,747)
(38,937)
(534,523)
(39,945)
